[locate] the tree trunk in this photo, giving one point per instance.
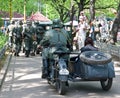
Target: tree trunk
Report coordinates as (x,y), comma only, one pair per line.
(116,25)
(81,7)
(92,10)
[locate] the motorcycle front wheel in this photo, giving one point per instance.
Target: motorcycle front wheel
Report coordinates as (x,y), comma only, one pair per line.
(61,87)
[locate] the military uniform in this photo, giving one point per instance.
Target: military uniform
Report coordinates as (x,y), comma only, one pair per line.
(18,38)
(39,35)
(54,38)
(28,34)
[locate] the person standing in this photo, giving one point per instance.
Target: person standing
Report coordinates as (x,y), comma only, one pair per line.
(28,33)
(39,35)
(81,33)
(10,31)
(82,15)
(92,31)
(18,37)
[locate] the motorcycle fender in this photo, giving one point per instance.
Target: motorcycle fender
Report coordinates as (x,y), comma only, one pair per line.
(63,77)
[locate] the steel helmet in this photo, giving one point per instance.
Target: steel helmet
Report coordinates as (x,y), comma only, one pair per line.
(57,23)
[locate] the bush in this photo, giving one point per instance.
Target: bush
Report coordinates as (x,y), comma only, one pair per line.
(3,40)
(1,22)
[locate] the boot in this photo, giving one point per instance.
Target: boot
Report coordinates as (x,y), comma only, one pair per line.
(44,73)
(45,69)
(27,53)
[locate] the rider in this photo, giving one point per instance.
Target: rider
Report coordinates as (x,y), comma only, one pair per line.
(89,45)
(53,38)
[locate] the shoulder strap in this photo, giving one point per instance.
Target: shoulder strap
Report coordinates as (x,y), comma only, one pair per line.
(68,39)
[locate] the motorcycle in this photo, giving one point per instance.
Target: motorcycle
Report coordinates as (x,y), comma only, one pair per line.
(58,72)
(86,66)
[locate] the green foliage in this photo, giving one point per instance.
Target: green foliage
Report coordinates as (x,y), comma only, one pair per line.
(55,8)
(1,22)
(105,7)
(3,40)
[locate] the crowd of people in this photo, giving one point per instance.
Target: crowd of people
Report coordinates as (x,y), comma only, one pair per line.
(99,30)
(24,36)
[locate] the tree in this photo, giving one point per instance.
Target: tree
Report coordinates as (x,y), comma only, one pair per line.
(81,5)
(59,8)
(62,8)
(92,10)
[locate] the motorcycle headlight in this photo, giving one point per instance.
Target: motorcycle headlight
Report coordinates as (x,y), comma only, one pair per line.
(64,72)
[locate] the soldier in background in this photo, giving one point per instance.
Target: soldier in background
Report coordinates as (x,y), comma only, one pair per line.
(18,37)
(28,33)
(10,31)
(39,35)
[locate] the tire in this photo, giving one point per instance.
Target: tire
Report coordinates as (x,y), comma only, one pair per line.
(61,87)
(95,57)
(106,84)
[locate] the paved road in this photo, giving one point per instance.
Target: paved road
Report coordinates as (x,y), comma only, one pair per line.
(23,80)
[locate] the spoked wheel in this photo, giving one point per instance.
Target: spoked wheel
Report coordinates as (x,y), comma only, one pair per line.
(61,87)
(106,84)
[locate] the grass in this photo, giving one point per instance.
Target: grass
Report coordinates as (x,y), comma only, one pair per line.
(3,40)
(2,61)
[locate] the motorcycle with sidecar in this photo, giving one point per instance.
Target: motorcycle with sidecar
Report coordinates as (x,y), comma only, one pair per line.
(86,66)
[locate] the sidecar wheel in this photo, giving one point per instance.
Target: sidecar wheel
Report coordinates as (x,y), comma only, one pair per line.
(106,84)
(61,87)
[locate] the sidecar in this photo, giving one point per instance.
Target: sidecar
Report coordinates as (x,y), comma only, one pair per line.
(92,66)
(85,66)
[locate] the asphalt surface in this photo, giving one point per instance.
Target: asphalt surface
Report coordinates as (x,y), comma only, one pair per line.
(23,80)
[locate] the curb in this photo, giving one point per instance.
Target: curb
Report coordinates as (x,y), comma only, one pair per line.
(4,70)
